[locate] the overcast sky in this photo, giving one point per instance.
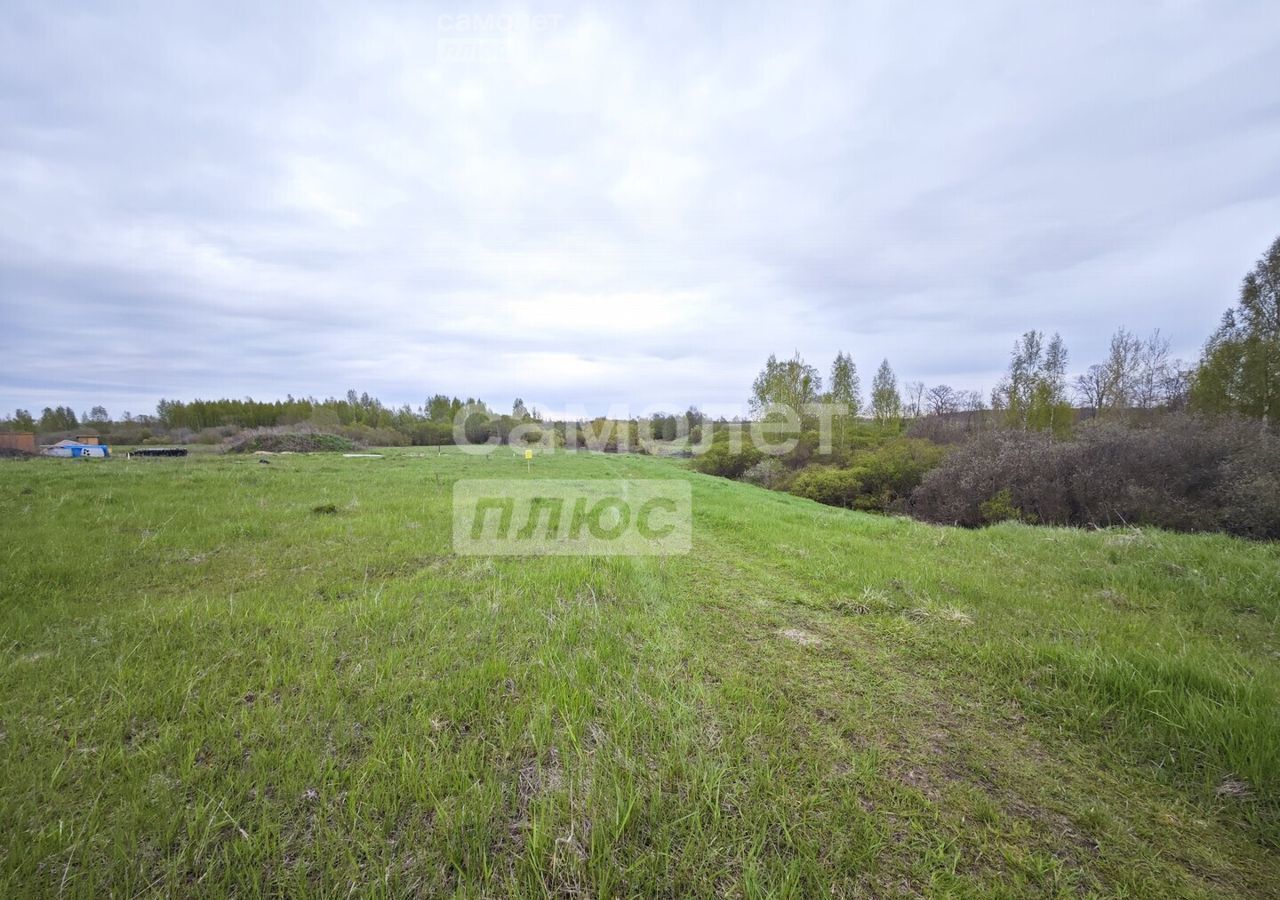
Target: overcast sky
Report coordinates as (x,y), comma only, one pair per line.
(597,205)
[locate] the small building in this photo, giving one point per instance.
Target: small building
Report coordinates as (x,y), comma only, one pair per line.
(92,440)
(18,440)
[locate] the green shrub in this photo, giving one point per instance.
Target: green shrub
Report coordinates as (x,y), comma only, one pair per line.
(878,480)
(722,459)
(999,508)
(290,442)
(431,434)
(371,436)
(834,487)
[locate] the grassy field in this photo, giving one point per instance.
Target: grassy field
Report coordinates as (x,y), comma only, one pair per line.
(220,676)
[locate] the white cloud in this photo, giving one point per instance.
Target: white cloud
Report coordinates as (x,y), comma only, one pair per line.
(608,204)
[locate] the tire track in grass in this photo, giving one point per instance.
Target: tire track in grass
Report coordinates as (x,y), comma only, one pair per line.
(949,747)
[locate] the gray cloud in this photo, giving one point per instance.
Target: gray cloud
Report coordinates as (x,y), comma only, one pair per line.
(595,205)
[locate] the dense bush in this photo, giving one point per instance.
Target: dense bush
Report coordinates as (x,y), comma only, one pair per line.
(370,436)
(999,508)
(879,479)
(213,435)
(721,460)
(431,434)
(1180,472)
(769,473)
(834,487)
(290,442)
(952,428)
(730,455)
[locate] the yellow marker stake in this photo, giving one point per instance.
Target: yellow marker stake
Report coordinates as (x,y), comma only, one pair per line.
(528,459)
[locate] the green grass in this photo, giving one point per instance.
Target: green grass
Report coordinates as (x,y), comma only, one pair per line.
(224,677)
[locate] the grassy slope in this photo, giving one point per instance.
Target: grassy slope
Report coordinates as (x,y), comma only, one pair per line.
(207,686)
